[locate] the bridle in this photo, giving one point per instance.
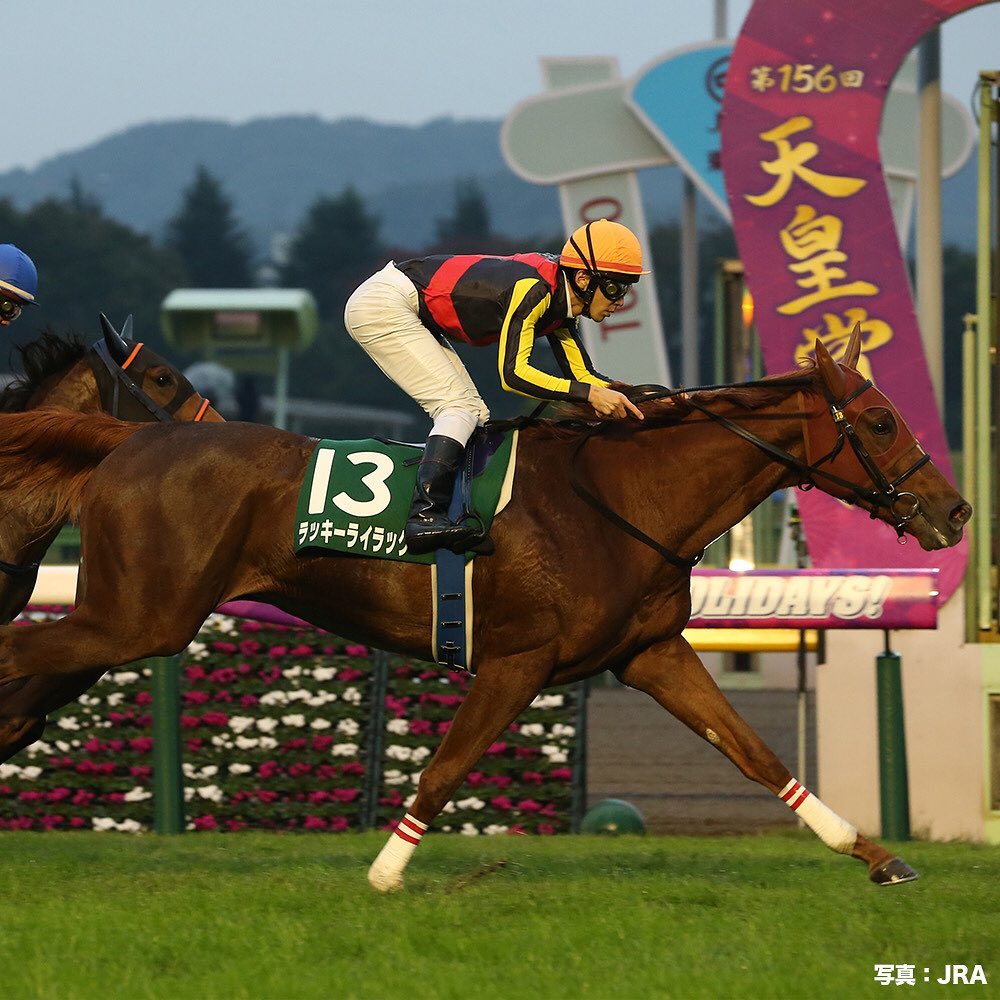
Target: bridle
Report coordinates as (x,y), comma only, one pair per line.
(900,506)
(112,378)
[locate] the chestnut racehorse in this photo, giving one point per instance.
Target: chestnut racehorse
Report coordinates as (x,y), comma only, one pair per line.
(115,375)
(591,570)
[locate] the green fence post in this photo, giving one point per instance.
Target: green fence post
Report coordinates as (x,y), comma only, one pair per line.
(168,779)
(894,789)
(578,802)
(375,743)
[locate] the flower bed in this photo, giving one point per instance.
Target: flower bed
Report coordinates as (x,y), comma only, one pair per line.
(277,733)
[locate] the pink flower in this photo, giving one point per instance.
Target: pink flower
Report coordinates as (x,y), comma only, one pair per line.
(300,650)
(319,796)
(195,697)
(421,727)
(277,651)
(560,774)
(501,802)
(249,701)
(496,748)
(194,673)
(533,777)
(144,698)
(346,794)
(322,743)
(546,829)
(476,778)
(356,650)
(352,768)
(269,769)
(223,647)
(338,823)
(141,772)
(215,719)
(205,823)
(529,805)
(248,647)
(314,823)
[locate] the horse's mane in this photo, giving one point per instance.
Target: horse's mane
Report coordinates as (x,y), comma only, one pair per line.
(43,357)
(47,455)
(755,395)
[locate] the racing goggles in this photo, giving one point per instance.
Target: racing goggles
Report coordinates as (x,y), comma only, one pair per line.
(613,287)
(10,309)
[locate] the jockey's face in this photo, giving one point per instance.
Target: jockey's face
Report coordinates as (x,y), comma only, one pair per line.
(601,307)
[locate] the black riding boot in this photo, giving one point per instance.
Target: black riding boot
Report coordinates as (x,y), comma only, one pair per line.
(428,526)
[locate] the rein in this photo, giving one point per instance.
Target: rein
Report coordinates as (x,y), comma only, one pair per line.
(884,496)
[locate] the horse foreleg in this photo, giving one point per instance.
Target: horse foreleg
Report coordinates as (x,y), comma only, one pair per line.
(674,676)
(499,693)
(24,705)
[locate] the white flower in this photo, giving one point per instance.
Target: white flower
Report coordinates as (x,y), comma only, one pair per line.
(267,743)
(210,792)
(353,696)
(274,698)
(449,807)
(419,754)
(9,771)
(267,725)
(222,741)
(115,699)
(209,771)
(409,800)
(30,772)
(129,826)
(103,823)
(188,796)
(124,677)
(138,794)
(548,701)
(324,724)
(555,755)
(470,803)
(561,731)
(398,753)
(196,650)
(299,694)
(398,727)
(240,723)
(468,830)
(68,722)
(349,727)
(392,777)
(61,746)
(40,747)
(246,743)
(321,699)
(532,729)
(188,769)
(240,768)
(324,673)
(296,721)
(344,750)
(295,671)
(494,829)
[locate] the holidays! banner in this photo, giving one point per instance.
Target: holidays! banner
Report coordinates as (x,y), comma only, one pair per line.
(800,155)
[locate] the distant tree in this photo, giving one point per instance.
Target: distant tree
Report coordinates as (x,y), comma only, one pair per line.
(470,216)
(88,264)
(207,236)
(336,247)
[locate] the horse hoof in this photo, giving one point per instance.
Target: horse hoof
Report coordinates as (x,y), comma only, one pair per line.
(893,872)
(384,881)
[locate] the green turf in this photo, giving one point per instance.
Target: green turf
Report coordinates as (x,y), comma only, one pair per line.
(264,915)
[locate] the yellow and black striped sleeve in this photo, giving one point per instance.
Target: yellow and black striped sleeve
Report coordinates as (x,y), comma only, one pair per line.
(530,299)
(572,357)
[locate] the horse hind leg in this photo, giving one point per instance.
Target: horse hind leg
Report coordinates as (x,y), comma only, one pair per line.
(499,693)
(674,676)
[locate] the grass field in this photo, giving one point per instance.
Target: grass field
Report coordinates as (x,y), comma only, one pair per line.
(269,916)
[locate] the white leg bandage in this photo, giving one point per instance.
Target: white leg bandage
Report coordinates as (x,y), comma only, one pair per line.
(386,872)
(835,832)
(455,424)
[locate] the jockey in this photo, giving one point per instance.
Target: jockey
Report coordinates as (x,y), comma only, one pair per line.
(18,282)
(405,315)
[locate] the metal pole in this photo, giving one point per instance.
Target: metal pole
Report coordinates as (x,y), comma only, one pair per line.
(281,389)
(376,740)
(930,303)
(578,803)
(168,778)
(894,791)
(982,373)
(690,363)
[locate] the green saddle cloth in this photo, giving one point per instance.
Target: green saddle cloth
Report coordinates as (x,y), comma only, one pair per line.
(356,495)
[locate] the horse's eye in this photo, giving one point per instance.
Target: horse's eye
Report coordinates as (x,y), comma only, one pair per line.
(884,425)
(163,380)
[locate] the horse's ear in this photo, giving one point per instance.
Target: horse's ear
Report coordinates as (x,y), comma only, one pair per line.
(830,372)
(127,328)
(117,347)
(853,353)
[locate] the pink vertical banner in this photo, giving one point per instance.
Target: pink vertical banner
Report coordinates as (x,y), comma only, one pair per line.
(811,213)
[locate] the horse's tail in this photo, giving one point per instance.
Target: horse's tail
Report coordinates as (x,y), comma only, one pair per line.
(48,455)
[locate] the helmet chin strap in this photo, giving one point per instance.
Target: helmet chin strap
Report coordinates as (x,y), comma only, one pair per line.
(586,295)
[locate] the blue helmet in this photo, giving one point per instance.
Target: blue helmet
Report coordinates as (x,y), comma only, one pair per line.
(17,273)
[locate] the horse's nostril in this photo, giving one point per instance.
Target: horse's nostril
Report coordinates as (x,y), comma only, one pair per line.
(961,514)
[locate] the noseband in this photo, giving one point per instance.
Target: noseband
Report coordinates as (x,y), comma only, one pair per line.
(112,377)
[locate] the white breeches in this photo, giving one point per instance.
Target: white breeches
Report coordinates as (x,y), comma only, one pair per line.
(382,316)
